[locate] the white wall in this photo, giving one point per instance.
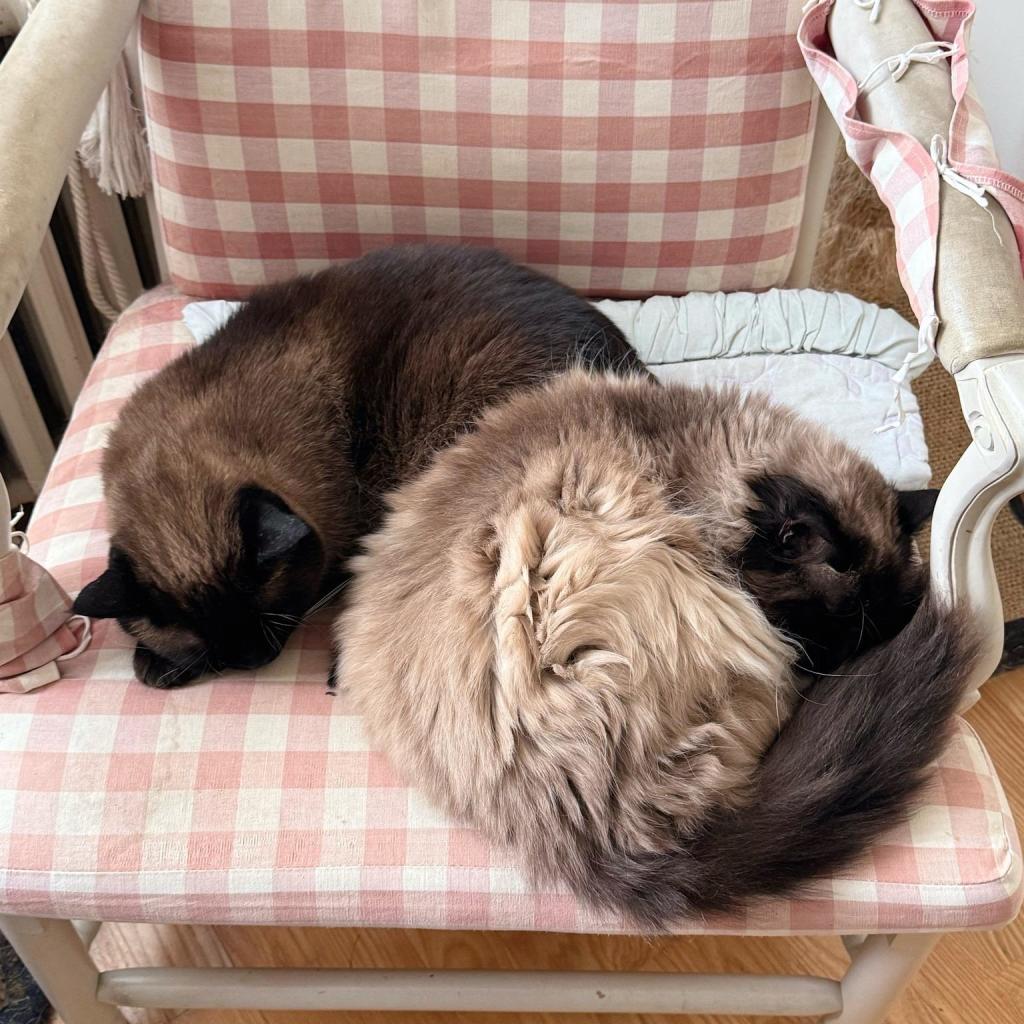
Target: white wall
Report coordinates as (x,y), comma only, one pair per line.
(997,71)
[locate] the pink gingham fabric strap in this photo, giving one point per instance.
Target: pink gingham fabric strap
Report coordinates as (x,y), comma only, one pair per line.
(904,172)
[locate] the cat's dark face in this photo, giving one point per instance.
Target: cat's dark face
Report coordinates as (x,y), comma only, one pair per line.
(237,616)
(833,592)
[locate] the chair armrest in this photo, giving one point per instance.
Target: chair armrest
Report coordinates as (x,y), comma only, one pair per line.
(978,283)
(988,474)
(50,81)
(979,295)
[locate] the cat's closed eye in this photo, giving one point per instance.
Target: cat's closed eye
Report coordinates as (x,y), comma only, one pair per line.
(173,642)
(794,539)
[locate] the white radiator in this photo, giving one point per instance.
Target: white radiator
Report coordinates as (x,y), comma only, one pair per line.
(36,401)
(53,330)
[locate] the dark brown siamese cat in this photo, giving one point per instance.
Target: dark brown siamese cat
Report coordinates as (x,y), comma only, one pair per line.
(240,477)
(584,630)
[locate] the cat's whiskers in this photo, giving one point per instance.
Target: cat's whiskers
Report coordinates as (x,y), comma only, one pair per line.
(841,675)
(282,618)
(793,639)
(329,596)
(175,672)
(871,622)
(272,623)
(270,636)
(799,692)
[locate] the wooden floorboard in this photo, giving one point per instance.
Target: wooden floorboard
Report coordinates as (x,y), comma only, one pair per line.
(970,979)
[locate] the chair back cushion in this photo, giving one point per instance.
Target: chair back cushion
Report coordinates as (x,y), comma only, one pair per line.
(629,148)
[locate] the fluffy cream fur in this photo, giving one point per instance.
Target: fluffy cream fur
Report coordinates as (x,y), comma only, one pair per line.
(553,633)
(560,642)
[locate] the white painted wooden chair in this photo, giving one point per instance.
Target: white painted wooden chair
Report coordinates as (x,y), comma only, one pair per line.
(630,149)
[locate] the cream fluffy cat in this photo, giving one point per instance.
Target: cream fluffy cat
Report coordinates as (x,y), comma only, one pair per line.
(570,632)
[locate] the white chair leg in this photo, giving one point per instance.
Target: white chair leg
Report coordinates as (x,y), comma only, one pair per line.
(59,961)
(87,931)
(880,969)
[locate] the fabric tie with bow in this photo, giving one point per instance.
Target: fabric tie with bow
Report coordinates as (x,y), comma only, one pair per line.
(37,627)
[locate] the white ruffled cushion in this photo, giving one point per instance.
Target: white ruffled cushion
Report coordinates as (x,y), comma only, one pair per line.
(828,355)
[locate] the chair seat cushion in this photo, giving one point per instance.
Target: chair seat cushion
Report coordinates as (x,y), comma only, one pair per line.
(256,799)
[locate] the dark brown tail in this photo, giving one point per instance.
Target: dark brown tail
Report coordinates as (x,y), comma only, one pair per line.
(845,768)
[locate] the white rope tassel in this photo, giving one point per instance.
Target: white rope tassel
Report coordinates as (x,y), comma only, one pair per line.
(899,63)
(103,282)
(896,415)
(874,6)
(113,147)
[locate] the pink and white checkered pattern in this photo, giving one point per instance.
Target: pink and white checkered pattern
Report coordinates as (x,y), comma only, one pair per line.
(900,168)
(255,799)
(34,629)
(627,147)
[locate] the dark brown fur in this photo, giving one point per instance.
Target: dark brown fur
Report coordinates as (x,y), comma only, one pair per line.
(240,477)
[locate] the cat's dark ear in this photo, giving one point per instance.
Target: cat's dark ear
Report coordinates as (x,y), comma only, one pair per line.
(914,508)
(791,515)
(793,523)
(114,595)
(271,531)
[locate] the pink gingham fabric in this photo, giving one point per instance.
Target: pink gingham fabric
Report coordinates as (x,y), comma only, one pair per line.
(255,798)
(900,168)
(627,147)
(34,624)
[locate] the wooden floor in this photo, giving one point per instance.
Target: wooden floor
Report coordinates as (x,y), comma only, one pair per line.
(970,979)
